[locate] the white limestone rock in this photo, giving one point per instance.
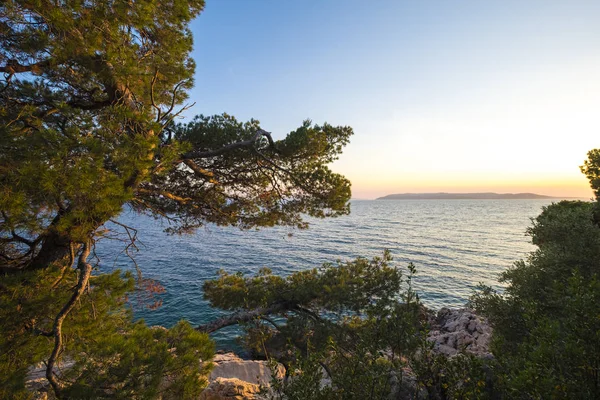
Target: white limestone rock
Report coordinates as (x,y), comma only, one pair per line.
(231,389)
(229,365)
(453,331)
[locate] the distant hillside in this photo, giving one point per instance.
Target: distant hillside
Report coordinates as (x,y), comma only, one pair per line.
(465,196)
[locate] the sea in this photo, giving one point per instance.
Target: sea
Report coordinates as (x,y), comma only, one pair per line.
(455,245)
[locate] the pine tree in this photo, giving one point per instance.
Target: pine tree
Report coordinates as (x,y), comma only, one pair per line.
(89,95)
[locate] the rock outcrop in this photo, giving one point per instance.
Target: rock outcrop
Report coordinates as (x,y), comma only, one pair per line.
(453,331)
(235,378)
(229,365)
(231,389)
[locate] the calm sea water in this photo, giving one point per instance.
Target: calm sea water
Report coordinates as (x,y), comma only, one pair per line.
(455,244)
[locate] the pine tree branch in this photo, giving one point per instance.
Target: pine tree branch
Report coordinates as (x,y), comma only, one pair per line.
(84,275)
(242,316)
(14,67)
(166,194)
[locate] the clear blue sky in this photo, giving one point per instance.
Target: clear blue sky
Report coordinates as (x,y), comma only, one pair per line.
(442,95)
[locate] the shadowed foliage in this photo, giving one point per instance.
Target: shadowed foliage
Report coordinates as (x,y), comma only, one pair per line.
(546,326)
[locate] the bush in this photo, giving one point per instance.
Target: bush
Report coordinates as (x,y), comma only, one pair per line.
(112,356)
(546,324)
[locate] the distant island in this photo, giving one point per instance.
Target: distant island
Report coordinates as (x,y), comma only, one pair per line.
(463,196)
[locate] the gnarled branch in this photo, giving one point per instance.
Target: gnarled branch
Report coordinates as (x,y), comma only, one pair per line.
(241,317)
(85,270)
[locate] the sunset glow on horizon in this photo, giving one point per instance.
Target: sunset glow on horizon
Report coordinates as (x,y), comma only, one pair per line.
(559,189)
(443,96)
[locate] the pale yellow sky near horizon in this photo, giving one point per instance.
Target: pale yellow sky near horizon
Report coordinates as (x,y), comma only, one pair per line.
(528,131)
(558,184)
(576,187)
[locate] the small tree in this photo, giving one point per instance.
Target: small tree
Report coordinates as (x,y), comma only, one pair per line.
(352,325)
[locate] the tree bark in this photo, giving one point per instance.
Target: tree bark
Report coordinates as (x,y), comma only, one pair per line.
(85,270)
(55,250)
(241,317)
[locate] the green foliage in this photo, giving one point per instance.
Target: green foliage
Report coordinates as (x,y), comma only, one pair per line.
(463,376)
(546,325)
(354,323)
(341,287)
(260,182)
(305,382)
(77,120)
(142,362)
(591,169)
(113,357)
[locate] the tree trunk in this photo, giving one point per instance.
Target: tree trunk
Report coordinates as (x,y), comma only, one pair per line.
(85,270)
(56,250)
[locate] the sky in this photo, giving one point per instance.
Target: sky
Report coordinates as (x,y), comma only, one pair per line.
(453,96)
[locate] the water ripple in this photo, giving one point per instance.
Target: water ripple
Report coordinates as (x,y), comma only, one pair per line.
(455,244)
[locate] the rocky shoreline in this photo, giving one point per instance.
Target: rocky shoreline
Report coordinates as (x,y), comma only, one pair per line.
(452,331)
